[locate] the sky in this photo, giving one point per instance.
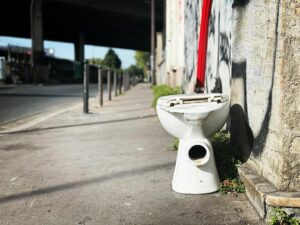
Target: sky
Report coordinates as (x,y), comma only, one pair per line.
(66,50)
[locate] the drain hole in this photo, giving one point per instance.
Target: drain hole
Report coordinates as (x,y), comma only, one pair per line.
(197,152)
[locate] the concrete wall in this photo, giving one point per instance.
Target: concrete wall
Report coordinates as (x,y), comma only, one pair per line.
(171,70)
(265,89)
(191,32)
(160,60)
(218,70)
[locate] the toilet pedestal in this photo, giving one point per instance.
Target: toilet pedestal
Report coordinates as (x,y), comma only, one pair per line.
(195,170)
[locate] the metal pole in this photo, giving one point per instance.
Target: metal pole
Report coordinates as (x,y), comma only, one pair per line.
(100,85)
(128,81)
(124,82)
(86,81)
(109,84)
(152,57)
(120,83)
(115,83)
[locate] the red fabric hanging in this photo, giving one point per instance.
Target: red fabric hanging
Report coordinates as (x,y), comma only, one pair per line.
(202,44)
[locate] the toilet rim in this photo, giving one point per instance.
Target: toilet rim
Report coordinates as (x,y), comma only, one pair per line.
(203,108)
(186,99)
(193,103)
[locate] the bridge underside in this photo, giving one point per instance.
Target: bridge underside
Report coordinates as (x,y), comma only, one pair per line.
(113,23)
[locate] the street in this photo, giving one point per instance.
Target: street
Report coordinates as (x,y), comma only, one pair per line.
(25,100)
(112,167)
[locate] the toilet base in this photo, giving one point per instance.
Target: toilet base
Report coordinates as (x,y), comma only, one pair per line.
(190,177)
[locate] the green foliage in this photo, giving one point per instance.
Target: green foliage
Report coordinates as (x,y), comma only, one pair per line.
(133,69)
(232,185)
(142,58)
(112,60)
(95,61)
(227,159)
(175,145)
(163,90)
(280,217)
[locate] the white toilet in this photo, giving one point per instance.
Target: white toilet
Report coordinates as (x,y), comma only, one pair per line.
(194,119)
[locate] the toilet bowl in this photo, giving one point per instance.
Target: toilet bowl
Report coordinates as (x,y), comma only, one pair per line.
(193,119)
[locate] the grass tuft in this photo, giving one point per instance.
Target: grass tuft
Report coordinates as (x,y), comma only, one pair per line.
(163,90)
(175,145)
(227,159)
(281,217)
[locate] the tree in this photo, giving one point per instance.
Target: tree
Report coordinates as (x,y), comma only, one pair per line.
(133,69)
(142,59)
(112,60)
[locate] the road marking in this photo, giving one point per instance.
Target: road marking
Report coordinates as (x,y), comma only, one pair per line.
(13,179)
(42,118)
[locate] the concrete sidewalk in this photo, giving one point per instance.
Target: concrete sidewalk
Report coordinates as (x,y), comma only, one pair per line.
(109,167)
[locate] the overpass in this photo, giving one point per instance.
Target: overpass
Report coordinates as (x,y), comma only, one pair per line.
(113,23)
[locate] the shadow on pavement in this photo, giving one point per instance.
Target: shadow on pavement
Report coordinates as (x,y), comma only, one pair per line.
(77,184)
(80,125)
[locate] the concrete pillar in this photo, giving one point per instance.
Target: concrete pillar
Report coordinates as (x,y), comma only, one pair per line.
(79,48)
(36,13)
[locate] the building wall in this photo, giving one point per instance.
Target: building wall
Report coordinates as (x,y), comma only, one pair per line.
(253,49)
(265,77)
(191,32)
(160,60)
(174,42)
(289,69)
(219,45)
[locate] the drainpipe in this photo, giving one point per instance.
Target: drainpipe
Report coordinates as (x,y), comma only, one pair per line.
(202,46)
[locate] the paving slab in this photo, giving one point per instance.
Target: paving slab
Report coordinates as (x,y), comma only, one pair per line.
(111,166)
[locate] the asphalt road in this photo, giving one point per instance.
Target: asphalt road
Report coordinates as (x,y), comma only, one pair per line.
(18,102)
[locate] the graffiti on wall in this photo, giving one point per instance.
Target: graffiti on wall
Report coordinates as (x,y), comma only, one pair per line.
(192,17)
(218,64)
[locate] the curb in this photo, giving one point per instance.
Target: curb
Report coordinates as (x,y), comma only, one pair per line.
(30,121)
(264,196)
(33,120)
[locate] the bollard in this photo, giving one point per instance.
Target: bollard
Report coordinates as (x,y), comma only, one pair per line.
(100,86)
(120,83)
(109,84)
(115,83)
(129,81)
(124,82)
(86,81)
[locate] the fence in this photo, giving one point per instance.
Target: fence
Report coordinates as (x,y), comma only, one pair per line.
(116,83)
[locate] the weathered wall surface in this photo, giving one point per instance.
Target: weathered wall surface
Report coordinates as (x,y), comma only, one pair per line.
(191,32)
(289,70)
(265,70)
(255,46)
(218,68)
(160,60)
(175,42)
